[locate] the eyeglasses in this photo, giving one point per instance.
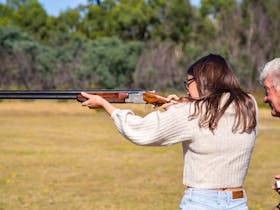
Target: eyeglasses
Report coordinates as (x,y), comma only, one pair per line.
(188,82)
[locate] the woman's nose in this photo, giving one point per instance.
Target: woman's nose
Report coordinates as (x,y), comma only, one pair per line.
(265,99)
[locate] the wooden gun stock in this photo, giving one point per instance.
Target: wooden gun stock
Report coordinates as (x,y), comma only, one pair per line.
(152,98)
(158,100)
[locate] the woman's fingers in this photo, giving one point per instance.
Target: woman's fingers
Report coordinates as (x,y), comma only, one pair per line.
(172,97)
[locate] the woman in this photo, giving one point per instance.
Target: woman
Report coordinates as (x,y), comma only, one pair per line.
(217,128)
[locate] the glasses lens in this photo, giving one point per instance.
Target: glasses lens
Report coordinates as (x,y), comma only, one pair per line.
(188,82)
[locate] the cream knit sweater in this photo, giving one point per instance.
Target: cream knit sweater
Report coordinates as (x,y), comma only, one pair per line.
(216,160)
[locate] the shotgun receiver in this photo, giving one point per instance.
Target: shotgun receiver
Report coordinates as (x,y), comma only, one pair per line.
(113,96)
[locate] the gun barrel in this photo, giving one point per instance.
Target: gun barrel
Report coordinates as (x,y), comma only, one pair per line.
(37,94)
(113,96)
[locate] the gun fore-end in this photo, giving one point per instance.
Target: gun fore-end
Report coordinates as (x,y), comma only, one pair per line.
(112,97)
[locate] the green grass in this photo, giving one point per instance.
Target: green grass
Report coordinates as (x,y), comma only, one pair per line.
(67,157)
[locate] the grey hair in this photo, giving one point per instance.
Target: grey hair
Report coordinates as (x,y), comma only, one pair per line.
(271,68)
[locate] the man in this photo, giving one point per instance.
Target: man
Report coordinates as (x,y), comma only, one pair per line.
(270,79)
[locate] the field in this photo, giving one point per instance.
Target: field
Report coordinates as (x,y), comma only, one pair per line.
(59,155)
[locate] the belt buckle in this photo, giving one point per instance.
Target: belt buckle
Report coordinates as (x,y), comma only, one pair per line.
(237,194)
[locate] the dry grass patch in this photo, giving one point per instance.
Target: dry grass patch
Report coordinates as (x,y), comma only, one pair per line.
(59,155)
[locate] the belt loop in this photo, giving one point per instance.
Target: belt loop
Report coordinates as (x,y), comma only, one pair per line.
(189,194)
(244,194)
(219,197)
(229,196)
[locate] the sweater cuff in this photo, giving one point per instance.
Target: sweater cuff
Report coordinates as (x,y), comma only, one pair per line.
(114,113)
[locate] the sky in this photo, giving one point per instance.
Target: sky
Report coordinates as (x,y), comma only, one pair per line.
(54,7)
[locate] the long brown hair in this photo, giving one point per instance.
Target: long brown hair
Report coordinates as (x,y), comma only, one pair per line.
(214,78)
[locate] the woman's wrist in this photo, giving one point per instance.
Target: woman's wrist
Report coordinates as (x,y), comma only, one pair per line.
(108,107)
(102,102)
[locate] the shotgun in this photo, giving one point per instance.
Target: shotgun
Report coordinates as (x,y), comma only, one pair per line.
(112,96)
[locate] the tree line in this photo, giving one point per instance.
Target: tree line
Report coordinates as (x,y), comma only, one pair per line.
(132,43)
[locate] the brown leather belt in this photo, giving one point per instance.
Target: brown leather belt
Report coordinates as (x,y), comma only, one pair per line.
(228,189)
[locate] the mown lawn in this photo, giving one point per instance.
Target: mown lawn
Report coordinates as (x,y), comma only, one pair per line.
(59,155)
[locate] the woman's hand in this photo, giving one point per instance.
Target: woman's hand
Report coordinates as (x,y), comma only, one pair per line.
(172,99)
(95,101)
